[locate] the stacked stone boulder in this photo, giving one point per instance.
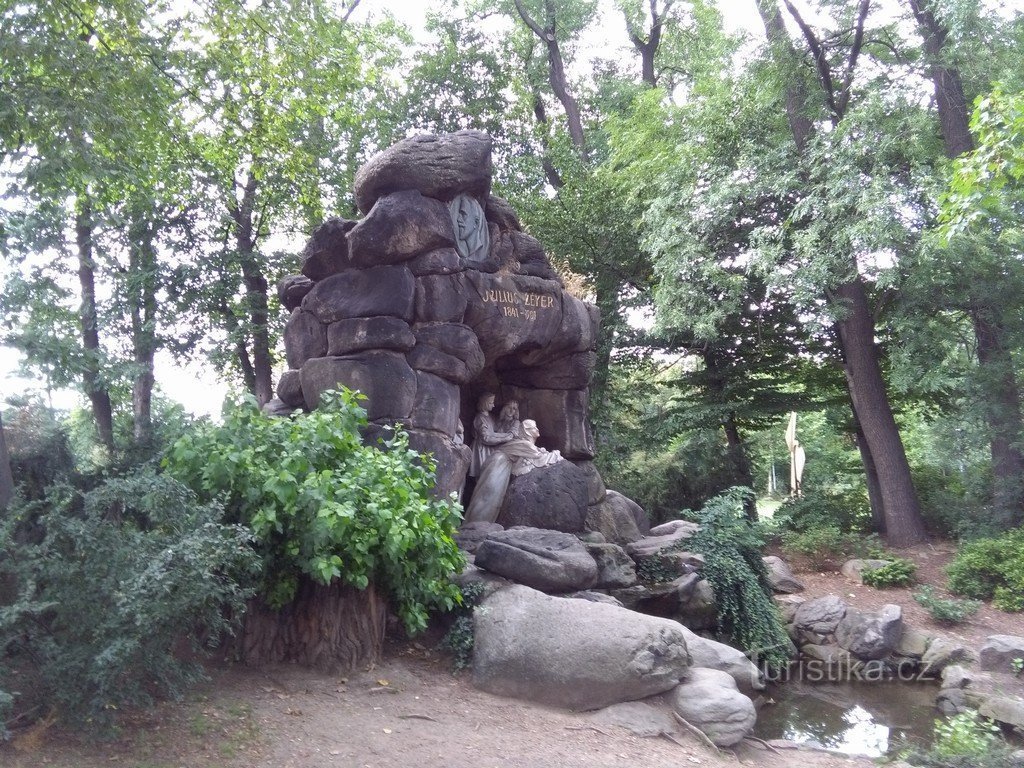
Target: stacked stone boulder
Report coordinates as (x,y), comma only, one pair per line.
(387,305)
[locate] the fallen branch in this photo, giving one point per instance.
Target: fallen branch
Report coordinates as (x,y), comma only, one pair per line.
(417,717)
(762,742)
(697,732)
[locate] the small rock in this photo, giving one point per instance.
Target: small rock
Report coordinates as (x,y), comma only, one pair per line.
(856,568)
(819,617)
(942,653)
(780,576)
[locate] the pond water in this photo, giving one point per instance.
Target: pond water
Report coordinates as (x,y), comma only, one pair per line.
(852,717)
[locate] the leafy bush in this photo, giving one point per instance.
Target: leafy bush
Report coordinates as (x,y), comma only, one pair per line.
(324,506)
(732,546)
(826,546)
(966,741)
(896,573)
(991,568)
(946,610)
(840,506)
(120,576)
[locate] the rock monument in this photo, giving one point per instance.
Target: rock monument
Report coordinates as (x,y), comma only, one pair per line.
(435,298)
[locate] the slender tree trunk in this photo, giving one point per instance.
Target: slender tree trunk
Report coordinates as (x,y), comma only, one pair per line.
(740,463)
(255,295)
(1002,412)
(95,388)
(903,522)
(6,478)
(870,476)
(556,70)
(142,263)
(995,361)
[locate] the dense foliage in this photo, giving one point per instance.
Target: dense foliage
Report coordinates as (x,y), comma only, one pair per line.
(322,505)
(945,610)
(732,548)
(991,568)
(102,588)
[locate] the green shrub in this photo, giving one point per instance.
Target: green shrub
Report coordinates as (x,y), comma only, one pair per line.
(118,578)
(826,546)
(946,610)
(896,573)
(837,506)
(324,506)
(732,548)
(459,638)
(991,569)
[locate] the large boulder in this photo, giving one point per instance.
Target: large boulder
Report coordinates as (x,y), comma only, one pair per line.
(573,653)
(615,568)
(305,337)
(387,290)
(714,655)
(400,226)
(870,635)
(550,561)
(942,653)
(999,652)
(614,519)
(360,333)
(326,253)
(708,699)
(815,620)
(437,166)
(384,377)
(552,497)
(663,538)
(855,569)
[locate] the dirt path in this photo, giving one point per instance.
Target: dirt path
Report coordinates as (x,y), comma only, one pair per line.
(409,711)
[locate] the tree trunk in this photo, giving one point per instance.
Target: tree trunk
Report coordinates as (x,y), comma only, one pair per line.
(903,522)
(870,476)
(741,464)
(1002,412)
(6,478)
(556,70)
(999,380)
(331,628)
(869,399)
(142,265)
(95,388)
(255,296)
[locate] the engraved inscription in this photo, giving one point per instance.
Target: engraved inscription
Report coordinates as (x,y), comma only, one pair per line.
(521,305)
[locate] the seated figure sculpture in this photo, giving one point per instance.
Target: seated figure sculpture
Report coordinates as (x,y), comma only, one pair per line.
(506,456)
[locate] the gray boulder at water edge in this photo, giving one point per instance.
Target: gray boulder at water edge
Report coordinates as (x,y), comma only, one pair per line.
(573,653)
(709,700)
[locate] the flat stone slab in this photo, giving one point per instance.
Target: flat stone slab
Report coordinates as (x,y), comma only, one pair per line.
(550,561)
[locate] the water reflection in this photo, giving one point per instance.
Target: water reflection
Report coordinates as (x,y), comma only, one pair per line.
(857,718)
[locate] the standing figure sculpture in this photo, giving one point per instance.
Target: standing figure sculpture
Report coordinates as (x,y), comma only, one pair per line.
(508,420)
(486,436)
